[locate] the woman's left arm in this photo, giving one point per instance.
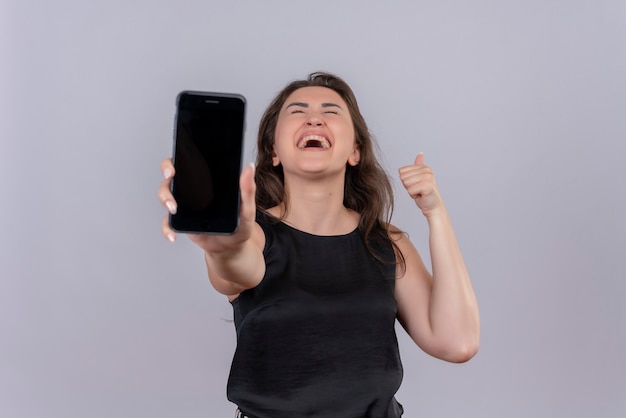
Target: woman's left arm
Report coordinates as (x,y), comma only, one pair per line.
(440,312)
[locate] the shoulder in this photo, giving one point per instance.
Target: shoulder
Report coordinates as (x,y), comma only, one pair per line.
(401,241)
(265,227)
(259,236)
(414,266)
(265,219)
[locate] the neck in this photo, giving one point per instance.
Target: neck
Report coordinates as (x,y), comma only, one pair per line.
(317,207)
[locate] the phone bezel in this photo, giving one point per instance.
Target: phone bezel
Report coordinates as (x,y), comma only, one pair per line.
(203,225)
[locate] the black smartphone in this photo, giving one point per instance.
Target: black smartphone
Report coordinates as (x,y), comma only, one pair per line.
(208,144)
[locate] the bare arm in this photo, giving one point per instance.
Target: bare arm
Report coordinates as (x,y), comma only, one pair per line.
(240,268)
(234,262)
(439,312)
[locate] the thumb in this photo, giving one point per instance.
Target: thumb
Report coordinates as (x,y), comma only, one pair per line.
(419,160)
(248,191)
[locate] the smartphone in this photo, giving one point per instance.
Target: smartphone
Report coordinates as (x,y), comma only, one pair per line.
(208,144)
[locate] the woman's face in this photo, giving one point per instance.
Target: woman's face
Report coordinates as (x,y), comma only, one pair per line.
(314,133)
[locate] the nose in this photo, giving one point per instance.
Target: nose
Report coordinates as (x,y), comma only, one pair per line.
(314,120)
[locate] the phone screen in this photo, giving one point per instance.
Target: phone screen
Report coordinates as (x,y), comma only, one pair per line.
(208,143)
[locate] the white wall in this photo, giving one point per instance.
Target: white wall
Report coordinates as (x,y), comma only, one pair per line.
(519,107)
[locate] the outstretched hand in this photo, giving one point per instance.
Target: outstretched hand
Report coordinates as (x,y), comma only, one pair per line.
(418,179)
(213,243)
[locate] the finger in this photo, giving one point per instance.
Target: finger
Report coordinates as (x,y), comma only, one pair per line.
(420,189)
(422,177)
(248,191)
(419,160)
(408,170)
(166,230)
(414,171)
(409,181)
(167,168)
(166,197)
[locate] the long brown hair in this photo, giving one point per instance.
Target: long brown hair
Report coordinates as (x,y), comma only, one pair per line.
(367,187)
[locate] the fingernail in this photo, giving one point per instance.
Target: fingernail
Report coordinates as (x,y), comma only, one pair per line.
(167,173)
(171,207)
(171,237)
(253,167)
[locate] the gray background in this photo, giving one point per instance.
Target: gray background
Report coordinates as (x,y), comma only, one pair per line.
(519,107)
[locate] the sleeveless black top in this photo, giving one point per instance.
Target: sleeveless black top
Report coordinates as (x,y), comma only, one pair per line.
(316,337)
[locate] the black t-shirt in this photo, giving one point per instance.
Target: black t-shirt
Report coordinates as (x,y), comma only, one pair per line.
(316,337)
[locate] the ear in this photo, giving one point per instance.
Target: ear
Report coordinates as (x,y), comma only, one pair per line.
(275,159)
(355,157)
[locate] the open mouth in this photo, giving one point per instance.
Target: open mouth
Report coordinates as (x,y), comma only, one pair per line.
(313,141)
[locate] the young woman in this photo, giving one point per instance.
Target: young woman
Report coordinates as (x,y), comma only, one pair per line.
(317,275)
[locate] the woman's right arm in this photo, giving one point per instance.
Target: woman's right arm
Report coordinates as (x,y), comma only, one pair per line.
(234,262)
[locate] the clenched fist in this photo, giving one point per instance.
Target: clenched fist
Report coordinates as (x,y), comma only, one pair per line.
(418,179)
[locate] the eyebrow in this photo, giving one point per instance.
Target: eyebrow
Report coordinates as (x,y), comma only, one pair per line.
(306,105)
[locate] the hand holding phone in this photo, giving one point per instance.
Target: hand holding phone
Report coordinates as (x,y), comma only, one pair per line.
(208,146)
(212,242)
